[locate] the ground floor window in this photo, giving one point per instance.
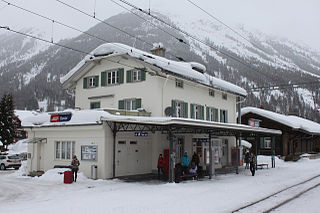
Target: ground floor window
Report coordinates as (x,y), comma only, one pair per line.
(265,142)
(64,149)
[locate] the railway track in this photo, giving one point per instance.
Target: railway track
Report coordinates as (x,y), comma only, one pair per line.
(281,197)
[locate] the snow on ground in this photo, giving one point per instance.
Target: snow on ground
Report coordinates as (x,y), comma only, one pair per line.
(19,147)
(221,194)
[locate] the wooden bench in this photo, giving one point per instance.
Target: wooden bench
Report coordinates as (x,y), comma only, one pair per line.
(261,165)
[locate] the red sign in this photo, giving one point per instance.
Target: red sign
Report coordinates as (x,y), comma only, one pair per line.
(55,118)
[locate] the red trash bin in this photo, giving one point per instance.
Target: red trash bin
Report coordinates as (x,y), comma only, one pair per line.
(68,177)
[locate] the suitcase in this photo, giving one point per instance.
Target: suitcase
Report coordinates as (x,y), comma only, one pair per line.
(68,177)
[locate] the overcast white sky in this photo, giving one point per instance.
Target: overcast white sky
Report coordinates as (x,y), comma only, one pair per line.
(298,20)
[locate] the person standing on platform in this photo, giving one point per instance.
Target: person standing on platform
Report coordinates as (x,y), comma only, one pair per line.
(195,159)
(253,162)
(247,160)
(185,161)
(160,166)
(75,163)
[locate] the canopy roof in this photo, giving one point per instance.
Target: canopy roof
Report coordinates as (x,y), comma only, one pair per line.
(136,123)
(292,121)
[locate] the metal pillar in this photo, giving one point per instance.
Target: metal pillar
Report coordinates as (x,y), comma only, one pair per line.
(238,138)
(171,167)
(237,154)
(257,142)
(273,144)
(211,169)
(114,150)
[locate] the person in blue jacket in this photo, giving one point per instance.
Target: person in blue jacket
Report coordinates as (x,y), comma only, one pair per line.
(185,162)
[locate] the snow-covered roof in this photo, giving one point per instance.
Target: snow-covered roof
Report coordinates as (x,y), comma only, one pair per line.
(292,121)
(22,114)
(88,117)
(246,144)
(185,69)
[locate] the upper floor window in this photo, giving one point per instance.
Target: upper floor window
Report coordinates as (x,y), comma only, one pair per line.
(130,104)
(180,109)
(135,75)
(224,96)
(212,114)
(197,111)
(112,77)
(91,82)
(211,92)
(223,116)
(95,105)
(179,83)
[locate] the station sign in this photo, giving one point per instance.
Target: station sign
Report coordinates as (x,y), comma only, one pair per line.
(60,117)
(144,134)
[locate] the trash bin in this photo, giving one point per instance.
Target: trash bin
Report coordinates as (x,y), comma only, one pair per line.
(94,171)
(68,177)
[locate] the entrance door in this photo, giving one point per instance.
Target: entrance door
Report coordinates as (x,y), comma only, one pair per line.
(224,157)
(121,158)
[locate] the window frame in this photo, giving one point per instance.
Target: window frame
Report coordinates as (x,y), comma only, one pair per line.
(180,109)
(114,77)
(179,83)
(224,118)
(212,114)
(93,104)
(224,96)
(64,150)
(211,93)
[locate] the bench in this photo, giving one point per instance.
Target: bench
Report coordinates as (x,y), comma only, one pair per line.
(260,166)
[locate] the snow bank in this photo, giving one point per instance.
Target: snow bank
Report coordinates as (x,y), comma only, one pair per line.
(57,175)
(292,121)
(186,69)
(19,147)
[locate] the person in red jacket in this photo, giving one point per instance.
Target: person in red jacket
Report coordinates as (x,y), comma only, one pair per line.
(161,164)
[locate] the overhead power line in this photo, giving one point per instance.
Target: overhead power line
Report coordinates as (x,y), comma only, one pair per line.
(239,60)
(284,86)
(68,26)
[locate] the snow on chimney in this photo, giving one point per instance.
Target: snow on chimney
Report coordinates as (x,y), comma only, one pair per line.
(158,49)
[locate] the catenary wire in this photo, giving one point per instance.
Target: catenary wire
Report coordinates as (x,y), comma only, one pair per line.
(239,60)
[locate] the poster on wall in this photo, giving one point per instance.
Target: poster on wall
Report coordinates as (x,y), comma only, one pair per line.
(89,153)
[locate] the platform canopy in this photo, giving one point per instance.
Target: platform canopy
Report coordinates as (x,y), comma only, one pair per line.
(182,125)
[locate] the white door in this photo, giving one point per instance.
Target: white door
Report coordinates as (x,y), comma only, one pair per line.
(121,158)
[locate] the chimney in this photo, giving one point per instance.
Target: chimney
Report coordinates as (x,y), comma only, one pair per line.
(158,49)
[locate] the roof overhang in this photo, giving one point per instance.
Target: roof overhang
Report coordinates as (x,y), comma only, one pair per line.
(180,125)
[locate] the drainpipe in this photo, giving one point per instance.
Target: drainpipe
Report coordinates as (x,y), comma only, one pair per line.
(114,150)
(162,104)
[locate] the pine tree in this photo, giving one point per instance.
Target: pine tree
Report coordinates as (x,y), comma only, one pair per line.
(7,123)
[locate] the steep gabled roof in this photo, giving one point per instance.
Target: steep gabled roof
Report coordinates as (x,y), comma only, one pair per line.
(189,70)
(295,122)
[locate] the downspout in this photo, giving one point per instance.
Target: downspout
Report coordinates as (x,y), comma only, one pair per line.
(114,150)
(162,104)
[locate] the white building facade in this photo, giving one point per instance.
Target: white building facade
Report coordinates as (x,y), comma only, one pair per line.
(123,80)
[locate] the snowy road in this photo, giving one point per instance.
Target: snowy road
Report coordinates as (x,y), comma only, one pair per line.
(223,193)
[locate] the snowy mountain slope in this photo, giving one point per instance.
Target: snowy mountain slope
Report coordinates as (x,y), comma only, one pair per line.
(34,78)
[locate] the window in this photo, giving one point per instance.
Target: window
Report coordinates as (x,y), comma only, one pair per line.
(211,92)
(212,114)
(179,83)
(197,111)
(224,96)
(91,82)
(130,104)
(64,149)
(265,142)
(180,109)
(112,77)
(94,105)
(135,75)
(223,116)
(89,153)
